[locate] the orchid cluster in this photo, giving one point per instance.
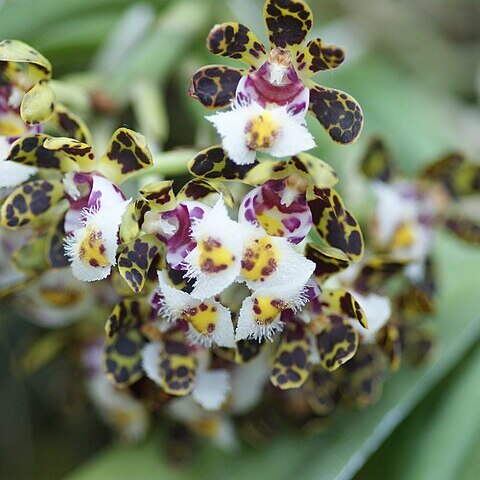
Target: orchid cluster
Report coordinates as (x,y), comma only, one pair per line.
(250,278)
(408,214)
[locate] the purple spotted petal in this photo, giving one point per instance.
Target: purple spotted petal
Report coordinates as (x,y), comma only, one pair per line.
(246,212)
(104,193)
(94,192)
(266,206)
(179,242)
(258,87)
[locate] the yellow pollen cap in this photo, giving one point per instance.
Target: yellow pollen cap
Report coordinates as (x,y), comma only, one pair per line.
(261,131)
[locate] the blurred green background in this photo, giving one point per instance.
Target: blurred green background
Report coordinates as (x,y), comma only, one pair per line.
(415,69)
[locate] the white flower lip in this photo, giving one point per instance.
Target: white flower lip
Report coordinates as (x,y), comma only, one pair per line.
(292,137)
(286,297)
(248,327)
(58,299)
(177,304)
(292,270)
(211,388)
(227,239)
(392,211)
(92,248)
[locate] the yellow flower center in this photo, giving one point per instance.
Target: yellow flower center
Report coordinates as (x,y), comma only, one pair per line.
(404,236)
(91,249)
(261,131)
(214,256)
(60,297)
(266,309)
(203,318)
(260,259)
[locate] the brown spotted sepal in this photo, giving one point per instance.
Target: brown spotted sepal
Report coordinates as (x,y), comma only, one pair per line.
(337,342)
(388,339)
(321,391)
(338,113)
(377,162)
(418,341)
(293,359)
(328,261)
(214,163)
(247,349)
(126,154)
(79,153)
(455,173)
(177,364)
(317,56)
(336,226)
(376,272)
(30,72)
(18,60)
(288,23)
(30,150)
(363,377)
(135,258)
(236,41)
(341,301)
(70,125)
(159,196)
(199,189)
(214,86)
(30,203)
(122,359)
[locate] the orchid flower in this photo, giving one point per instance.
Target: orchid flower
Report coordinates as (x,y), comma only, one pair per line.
(272,96)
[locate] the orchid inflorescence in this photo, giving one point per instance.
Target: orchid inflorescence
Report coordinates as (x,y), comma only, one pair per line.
(216,292)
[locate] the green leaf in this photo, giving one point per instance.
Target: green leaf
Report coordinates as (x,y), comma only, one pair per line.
(439,437)
(341,451)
